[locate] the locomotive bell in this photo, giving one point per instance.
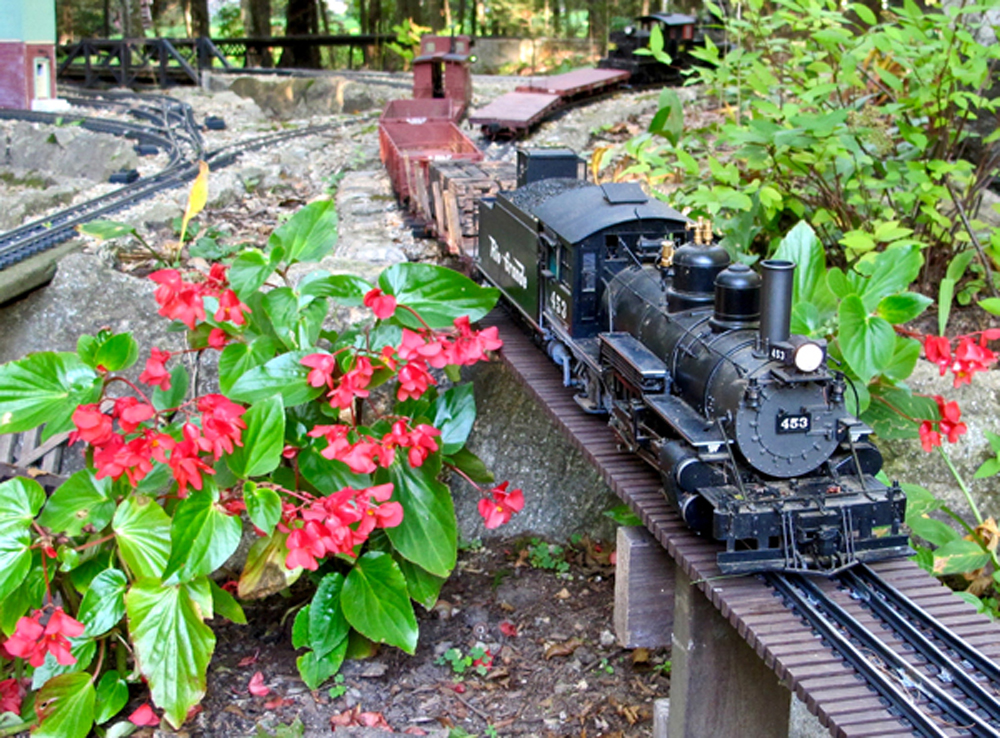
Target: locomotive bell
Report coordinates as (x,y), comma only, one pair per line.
(737,298)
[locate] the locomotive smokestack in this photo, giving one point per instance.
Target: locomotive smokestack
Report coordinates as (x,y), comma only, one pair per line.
(776,301)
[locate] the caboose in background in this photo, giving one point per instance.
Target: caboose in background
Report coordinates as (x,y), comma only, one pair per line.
(443,71)
(27,54)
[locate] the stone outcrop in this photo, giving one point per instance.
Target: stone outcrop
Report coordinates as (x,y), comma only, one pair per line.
(66,152)
(300,97)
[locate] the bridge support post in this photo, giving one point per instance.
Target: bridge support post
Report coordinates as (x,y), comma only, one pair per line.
(718,685)
(644,590)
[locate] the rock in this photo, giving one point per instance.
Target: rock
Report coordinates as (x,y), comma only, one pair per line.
(563,493)
(224,188)
(907,461)
(68,152)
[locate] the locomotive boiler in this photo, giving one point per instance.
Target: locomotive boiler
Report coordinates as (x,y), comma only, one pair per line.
(691,359)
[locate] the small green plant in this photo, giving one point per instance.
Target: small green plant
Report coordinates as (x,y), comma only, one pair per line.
(339,688)
(605,666)
(542,555)
(663,668)
(479,660)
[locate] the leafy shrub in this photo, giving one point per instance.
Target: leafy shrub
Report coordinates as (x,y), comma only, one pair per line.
(330,444)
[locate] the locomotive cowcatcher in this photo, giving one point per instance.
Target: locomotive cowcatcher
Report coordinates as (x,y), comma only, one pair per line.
(690,357)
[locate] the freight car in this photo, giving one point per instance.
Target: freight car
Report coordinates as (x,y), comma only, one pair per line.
(690,357)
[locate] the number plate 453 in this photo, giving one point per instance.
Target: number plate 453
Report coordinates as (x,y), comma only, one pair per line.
(794,423)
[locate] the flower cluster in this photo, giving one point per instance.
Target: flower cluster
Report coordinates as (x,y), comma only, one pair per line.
(498,508)
(363,453)
(131,451)
(184,301)
(949,426)
(32,639)
(344,389)
(969,357)
(11,695)
(336,524)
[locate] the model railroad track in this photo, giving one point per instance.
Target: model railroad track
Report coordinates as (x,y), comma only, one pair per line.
(183,149)
(926,674)
(807,660)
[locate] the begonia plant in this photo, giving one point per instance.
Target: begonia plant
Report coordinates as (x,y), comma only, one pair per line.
(329,445)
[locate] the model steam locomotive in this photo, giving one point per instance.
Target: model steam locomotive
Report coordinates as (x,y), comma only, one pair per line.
(690,357)
(680,35)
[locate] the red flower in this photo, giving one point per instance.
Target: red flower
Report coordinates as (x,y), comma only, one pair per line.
(929,438)
(156,371)
(186,306)
(32,640)
(92,426)
(230,308)
(414,379)
(971,357)
(217,339)
(323,367)
(422,443)
(951,415)
(221,424)
(144,716)
(498,511)
(131,413)
(11,694)
(382,305)
(938,350)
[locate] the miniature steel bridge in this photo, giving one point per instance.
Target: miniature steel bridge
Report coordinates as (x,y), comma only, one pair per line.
(853,649)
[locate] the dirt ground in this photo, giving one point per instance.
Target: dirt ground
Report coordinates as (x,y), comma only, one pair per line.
(556,668)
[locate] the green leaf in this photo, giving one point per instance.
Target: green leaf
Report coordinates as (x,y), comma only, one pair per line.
(946,292)
(300,628)
(377,604)
(15,561)
(20,500)
(669,119)
(343,288)
(438,294)
(282,307)
(264,573)
(987,469)
(238,358)
(423,586)
(454,414)
(142,529)
(309,235)
(958,557)
(103,604)
(65,707)
(284,375)
(327,625)
(864,13)
(112,696)
(105,230)
(888,272)
(173,397)
(866,342)
(173,646)
(314,671)
(263,506)
(428,534)
(327,475)
(203,536)
(113,352)
(932,530)
(902,307)
(263,439)
(471,465)
(45,388)
(904,358)
(893,410)
(80,500)
(226,606)
(991,305)
(248,273)
(802,247)
(82,649)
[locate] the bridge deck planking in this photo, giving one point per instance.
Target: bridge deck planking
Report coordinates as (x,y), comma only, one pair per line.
(830,688)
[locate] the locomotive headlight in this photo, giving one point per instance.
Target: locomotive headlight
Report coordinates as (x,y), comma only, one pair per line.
(809,357)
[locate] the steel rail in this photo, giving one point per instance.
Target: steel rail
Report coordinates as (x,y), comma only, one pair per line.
(894,676)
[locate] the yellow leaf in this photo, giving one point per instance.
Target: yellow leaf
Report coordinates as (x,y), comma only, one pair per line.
(196,198)
(595,162)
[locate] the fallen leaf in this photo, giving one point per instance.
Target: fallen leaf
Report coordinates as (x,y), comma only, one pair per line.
(566,648)
(249,660)
(508,628)
(257,687)
(274,704)
(640,656)
(563,594)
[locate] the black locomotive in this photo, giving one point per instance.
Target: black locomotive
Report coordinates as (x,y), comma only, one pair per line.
(691,359)
(680,34)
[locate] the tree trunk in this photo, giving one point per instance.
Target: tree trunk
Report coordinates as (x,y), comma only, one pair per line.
(300,20)
(200,19)
(257,24)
